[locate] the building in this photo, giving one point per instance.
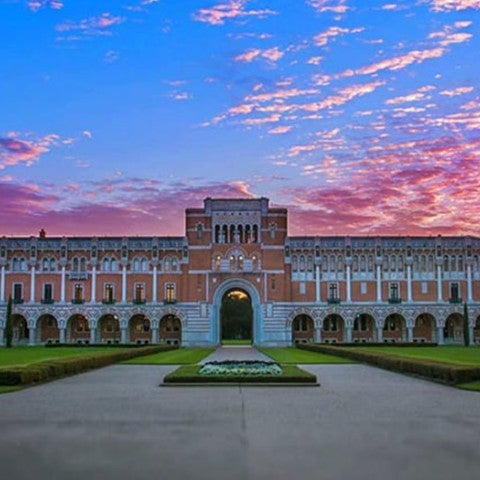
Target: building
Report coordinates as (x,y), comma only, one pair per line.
(171,289)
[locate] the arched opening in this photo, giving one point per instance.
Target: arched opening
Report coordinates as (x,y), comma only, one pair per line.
(394,328)
(47,329)
(109,328)
(78,329)
(236,317)
(476,330)
(303,329)
(21,332)
(170,330)
(139,329)
(363,328)
(424,329)
(333,328)
(453,330)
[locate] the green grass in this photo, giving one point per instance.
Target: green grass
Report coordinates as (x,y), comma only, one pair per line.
(9,388)
(292,355)
(473,386)
(181,356)
(189,374)
(454,355)
(236,342)
(26,355)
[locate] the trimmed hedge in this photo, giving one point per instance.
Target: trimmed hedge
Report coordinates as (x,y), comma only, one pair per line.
(96,345)
(379,344)
(439,372)
(46,370)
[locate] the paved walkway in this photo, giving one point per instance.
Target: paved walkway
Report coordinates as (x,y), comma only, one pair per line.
(362,423)
(233,352)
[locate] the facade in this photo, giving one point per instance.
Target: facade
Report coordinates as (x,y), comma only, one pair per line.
(301,289)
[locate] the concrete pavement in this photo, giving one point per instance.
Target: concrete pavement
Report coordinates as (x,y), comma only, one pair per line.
(362,423)
(240,352)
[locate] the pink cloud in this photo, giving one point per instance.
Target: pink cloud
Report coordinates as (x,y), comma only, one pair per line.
(218,14)
(280,130)
(271,54)
(334,6)
(445,5)
(36,5)
(322,39)
(91,26)
(456,91)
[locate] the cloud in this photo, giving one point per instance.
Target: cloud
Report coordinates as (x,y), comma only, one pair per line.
(280,130)
(179,96)
(270,54)
(218,14)
(87,133)
(36,5)
(456,91)
(90,26)
(446,5)
(334,6)
(111,56)
(15,151)
(322,39)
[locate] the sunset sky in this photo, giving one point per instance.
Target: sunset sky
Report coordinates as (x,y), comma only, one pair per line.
(361,117)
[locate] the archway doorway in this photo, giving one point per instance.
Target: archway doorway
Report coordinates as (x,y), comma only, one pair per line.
(236,317)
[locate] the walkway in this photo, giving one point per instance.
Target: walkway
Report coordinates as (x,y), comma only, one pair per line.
(240,352)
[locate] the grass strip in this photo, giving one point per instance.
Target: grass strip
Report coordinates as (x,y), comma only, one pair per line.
(180,356)
(472,386)
(433,370)
(46,370)
(292,355)
(190,374)
(9,389)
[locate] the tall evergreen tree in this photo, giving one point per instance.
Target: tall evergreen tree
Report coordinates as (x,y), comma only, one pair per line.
(466,327)
(8,324)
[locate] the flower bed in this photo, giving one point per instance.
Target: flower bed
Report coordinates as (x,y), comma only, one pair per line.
(235,368)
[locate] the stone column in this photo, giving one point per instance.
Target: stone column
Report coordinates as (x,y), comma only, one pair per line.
(62,289)
(348,334)
(409,333)
(318,335)
(1,336)
(409,283)
(154,339)
(124,284)
(439,283)
(379,334)
(31,336)
(94,284)
(123,335)
(2,284)
(349,283)
(317,283)
(32,284)
(62,334)
(469,283)
(379,283)
(154,288)
(440,335)
(471,335)
(93,333)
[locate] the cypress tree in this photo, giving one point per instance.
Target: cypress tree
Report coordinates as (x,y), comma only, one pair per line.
(8,324)
(466,328)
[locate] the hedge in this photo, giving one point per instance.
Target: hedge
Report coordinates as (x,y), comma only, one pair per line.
(439,372)
(46,370)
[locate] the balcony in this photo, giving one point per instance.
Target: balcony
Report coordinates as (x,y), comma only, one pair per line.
(139,301)
(170,301)
(333,300)
(17,301)
(78,275)
(108,301)
(394,300)
(78,301)
(455,300)
(47,301)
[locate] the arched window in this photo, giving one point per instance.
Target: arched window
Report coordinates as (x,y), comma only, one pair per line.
(400,263)
(446,264)
(309,263)
(232,262)
(217,233)
(355,263)
(45,265)
(136,265)
(340,267)
(294,263)
(362,263)
(460,263)
(453,263)
(144,265)
(255,233)
(302,263)
(199,231)
(254,262)
(430,263)
(106,265)
(217,262)
(393,263)
(240,262)
(370,263)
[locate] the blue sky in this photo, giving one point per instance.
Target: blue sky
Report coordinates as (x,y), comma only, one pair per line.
(360,117)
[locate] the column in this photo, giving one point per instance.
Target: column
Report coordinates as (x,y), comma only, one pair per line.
(1,337)
(379,334)
(440,335)
(62,334)
(31,336)
(379,283)
(409,283)
(62,290)
(154,339)
(154,288)
(93,333)
(348,334)
(469,283)
(32,284)
(410,333)
(349,283)
(471,335)
(318,335)
(124,284)
(94,284)
(439,283)
(2,284)
(317,283)
(123,335)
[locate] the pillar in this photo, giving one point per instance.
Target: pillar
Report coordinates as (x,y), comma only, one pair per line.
(62,288)
(317,283)
(469,283)
(1,336)
(94,284)
(154,288)
(439,283)
(440,335)
(31,336)
(93,334)
(348,334)
(409,283)
(379,334)
(349,283)
(409,333)
(2,284)
(62,334)
(124,284)
(124,335)
(318,335)
(471,335)
(32,284)
(379,283)
(154,335)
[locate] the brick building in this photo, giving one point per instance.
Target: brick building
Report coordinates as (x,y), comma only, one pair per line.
(171,289)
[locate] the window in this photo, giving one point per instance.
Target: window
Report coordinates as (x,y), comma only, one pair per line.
(109,264)
(78,293)
(19,265)
(217,262)
(273,284)
(330,324)
(47,292)
(18,292)
(394,292)
(454,292)
(240,262)
(332,291)
(360,324)
(170,293)
(301,324)
(108,293)
(199,231)
(363,288)
(424,287)
(302,288)
(390,324)
(48,264)
(139,293)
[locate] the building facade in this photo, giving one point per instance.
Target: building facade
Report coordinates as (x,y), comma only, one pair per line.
(301,289)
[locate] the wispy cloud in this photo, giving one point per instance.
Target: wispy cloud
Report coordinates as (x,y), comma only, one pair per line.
(91,26)
(36,5)
(321,39)
(457,91)
(334,6)
(218,14)
(270,54)
(445,5)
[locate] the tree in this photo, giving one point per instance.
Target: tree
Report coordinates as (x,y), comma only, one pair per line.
(466,326)
(8,324)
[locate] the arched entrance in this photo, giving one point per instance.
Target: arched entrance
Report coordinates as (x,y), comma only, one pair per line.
(363,328)
(476,331)
(21,331)
(78,329)
(109,328)
(236,317)
(170,330)
(332,329)
(47,329)
(303,329)
(453,331)
(139,329)
(394,328)
(424,329)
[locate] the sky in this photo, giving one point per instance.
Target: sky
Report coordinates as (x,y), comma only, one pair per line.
(360,117)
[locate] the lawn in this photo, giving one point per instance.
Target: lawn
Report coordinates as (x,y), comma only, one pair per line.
(292,355)
(236,342)
(474,386)
(454,355)
(181,356)
(25,355)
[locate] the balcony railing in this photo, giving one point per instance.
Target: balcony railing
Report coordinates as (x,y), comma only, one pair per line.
(47,301)
(108,301)
(139,301)
(78,275)
(170,301)
(78,301)
(394,300)
(17,301)
(333,300)
(455,300)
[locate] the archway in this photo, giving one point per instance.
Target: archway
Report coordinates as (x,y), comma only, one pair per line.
(453,331)
(21,332)
(78,329)
(363,328)
(303,329)
(476,331)
(394,328)
(170,330)
(139,329)
(109,328)
(236,317)
(424,329)
(47,329)
(333,326)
